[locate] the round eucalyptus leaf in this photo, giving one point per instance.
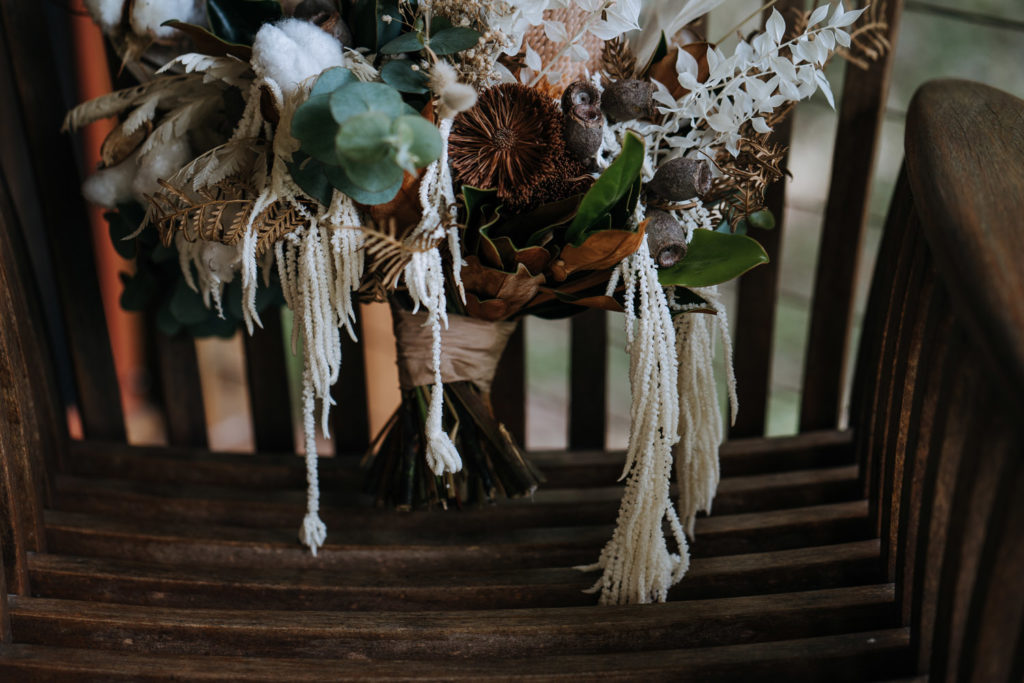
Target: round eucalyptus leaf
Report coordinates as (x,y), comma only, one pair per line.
(315,128)
(360,98)
(339,179)
(419,140)
(363,139)
(330,80)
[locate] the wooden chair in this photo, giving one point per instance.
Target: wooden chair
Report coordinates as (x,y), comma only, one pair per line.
(889,550)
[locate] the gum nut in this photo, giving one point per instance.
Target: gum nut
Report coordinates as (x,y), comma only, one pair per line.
(680,179)
(580,93)
(628,100)
(583,138)
(666,238)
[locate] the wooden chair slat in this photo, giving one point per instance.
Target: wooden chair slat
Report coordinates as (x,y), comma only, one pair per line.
(452,634)
(865,655)
(267,375)
(181,390)
(27,62)
(860,120)
(588,370)
(508,393)
(122,582)
(351,416)
(5,616)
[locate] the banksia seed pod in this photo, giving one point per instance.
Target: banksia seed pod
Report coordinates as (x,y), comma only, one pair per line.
(665,238)
(680,179)
(582,121)
(628,100)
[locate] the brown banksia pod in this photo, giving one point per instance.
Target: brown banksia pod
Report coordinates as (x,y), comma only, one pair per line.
(511,141)
(680,179)
(629,100)
(665,238)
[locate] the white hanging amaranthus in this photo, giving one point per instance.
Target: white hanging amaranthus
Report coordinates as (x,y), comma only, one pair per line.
(424,277)
(638,566)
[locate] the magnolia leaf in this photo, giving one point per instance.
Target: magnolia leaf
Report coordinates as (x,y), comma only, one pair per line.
(407,42)
(681,297)
(609,189)
(399,74)
(599,251)
(332,79)
(237,21)
(207,43)
(713,258)
(451,40)
(512,290)
(315,128)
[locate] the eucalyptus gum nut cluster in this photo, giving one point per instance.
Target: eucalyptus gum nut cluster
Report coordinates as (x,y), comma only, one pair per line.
(582,121)
(665,238)
(679,179)
(628,100)
(364,136)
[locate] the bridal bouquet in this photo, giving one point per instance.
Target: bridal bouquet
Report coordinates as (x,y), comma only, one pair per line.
(471,162)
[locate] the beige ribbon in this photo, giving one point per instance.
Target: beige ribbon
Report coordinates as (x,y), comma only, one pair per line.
(470,349)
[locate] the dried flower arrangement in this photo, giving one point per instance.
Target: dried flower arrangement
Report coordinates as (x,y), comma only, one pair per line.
(473,162)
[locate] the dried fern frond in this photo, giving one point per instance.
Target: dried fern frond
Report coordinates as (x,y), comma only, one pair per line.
(617,60)
(869,40)
(746,177)
(387,252)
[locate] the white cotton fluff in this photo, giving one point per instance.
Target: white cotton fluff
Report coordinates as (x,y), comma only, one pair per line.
(111,186)
(106,13)
(292,51)
(160,164)
(148,15)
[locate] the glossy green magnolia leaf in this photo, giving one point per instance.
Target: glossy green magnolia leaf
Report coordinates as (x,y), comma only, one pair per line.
(451,40)
(332,79)
(609,189)
(341,180)
(680,297)
(763,219)
(237,21)
(399,74)
(712,258)
(315,128)
(407,42)
(360,98)
(366,19)
(419,142)
(309,175)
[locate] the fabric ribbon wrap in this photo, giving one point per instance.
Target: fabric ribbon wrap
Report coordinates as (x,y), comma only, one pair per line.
(471,349)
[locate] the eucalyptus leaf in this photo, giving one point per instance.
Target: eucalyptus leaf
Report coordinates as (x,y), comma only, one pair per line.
(332,79)
(763,219)
(451,40)
(360,98)
(609,189)
(713,258)
(187,305)
(315,128)
(366,19)
(340,179)
(362,139)
(309,175)
(424,141)
(399,74)
(237,21)
(407,42)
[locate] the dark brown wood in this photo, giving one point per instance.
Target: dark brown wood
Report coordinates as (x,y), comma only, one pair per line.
(849,657)
(180,389)
(50,171)
(588,369)
(351,416)
(860,119)
(5,617)
(267,374)
(508,393)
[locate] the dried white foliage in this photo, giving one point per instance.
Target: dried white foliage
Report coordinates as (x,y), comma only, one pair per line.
(147,16)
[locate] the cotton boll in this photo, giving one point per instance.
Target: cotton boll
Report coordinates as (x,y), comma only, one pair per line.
(160,164)
(106,13)
(111,186)
(291,51)
(148,15)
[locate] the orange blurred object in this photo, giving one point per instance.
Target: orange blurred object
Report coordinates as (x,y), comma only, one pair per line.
(92,74)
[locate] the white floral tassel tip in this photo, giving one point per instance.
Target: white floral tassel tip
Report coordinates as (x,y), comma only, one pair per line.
(700,420)
(638,565)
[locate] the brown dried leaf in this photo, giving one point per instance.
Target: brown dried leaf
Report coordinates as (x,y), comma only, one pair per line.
(118,146)
(513,290)
(664,71)
(602,250)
